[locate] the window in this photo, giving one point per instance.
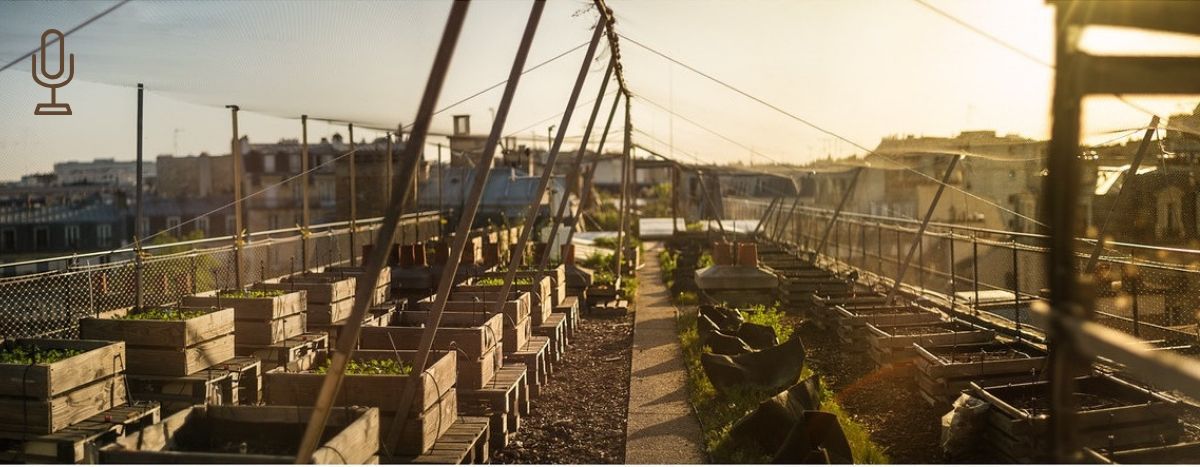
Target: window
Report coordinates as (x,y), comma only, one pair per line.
(71,234)
(268,163)
(41,238)
(1169,219)
(144,230)
(8,240)
(202,225)
(103,234)
(173,224)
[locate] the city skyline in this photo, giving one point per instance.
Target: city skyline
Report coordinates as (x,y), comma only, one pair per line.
(926,71)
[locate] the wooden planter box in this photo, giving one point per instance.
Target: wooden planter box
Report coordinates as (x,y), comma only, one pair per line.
(1181,454)
(893,344)
(558,282)
(167,347)
(318,288)
(45,398)
(474,337)
(516,307)
(260,321)
(851,322)
(1113,413)
(518,326)
(377,316)
(943,371)
(270,435)
(432,414)
(383,286)
(539,302)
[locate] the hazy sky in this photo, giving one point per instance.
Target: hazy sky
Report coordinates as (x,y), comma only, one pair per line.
(861,68)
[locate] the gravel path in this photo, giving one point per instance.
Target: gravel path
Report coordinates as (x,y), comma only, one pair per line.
(580,416)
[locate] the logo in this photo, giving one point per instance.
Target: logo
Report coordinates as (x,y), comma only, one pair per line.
(51,80)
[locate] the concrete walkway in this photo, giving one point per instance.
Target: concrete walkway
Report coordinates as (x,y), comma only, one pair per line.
(662,428)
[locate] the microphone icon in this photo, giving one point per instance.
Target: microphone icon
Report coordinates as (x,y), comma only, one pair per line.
(53,107)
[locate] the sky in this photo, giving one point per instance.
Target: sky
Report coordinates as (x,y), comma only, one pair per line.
(863,69)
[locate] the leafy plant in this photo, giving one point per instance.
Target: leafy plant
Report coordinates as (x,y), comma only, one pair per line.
(599,262)
(165,314)
(687,298)
(372,367)
(769,316)
(21,354)
(629,286)
(705,260)
(251,293)
(494,281)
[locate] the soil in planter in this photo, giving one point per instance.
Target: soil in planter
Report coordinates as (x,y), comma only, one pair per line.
(371,367)
(580,416)
(1039,404)
(886,403)
(236,437)
(985,356)
(266,293)
(165,314)
(22,354)
(926,329)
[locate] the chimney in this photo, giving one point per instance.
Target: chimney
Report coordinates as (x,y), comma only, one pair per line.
(747,254)
(462,125)
(337,138)
(722,254)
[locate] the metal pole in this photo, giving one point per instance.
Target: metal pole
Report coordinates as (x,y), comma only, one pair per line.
(953,273)
(975,270)
(462,232)
(139,215)
(675,201)
(575,168)
(304,213)
(441,175)
(1112,210)
(387,169)
(625,154)
(354,200)
(348,339)
(1016,290)
(787,219)
(236,155)
(714,213)
(1059,209)
(762,221)
(514,260)
(937,196)
(838,212)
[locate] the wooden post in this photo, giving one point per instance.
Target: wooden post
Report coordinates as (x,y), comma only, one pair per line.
(625,153)
(556,223)
(375,259)
(304,213)
(937,196)
(585,189)
(470,207)
(138,233)
(838,212)
(544,182)
(353,199)
(236,155)
(387,169)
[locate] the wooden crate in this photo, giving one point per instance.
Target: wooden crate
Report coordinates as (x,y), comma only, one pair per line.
(376,316)
(535,357)
(176,393)
(517,306)
(475,338)
(1125,416)
(293,354)
(78,443)
(570,308)
(329,313)
(318,288)
(504,401)
(216,434)
(517,325)
(851,323)
(44,398)
(554,328)
(539,296)
(893,344)
(465,442)
(434,410)
(247,373)
(261,321)
(383,286)
(942,373)
(556,290)
(166,347)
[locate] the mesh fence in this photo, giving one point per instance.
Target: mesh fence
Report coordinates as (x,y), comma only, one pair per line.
(49,304)
(1149,292)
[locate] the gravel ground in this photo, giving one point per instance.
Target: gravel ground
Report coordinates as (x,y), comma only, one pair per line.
(886,403)
(580,416)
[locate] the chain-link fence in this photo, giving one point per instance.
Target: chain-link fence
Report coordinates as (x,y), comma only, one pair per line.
(49,303)
(1147,291)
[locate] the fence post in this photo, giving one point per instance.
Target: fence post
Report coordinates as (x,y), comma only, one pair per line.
(139,265)
(953,272)
(1016,290)
(879,246)
(236,151)
(354,197)
(975,270)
